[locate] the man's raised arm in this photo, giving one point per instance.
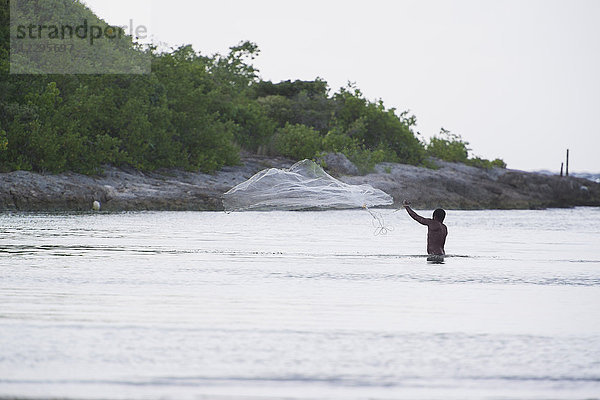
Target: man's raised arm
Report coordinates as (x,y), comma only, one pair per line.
(414,215)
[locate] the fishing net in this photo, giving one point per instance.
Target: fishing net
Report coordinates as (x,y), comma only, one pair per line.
(303,186)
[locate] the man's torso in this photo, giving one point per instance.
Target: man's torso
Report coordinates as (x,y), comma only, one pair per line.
(436,238)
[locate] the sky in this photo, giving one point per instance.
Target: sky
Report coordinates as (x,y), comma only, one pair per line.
(518,80)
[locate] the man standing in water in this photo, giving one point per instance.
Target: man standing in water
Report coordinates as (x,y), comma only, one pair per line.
(436,230)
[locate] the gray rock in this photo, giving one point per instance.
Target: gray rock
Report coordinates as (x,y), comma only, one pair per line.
(458,186)
(126,189)
(454,186)
(338,164)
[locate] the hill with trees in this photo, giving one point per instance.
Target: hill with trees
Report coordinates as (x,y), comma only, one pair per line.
(193,112)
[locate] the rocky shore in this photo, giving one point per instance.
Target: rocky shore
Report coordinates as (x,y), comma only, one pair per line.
(452,186)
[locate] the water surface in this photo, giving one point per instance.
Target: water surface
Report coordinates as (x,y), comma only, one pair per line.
(299,305)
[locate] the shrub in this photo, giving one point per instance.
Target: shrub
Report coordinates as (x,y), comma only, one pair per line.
(375,127)
(452,148)
(487,164)
(298,141)
(448,147)
(498,162)
(337,142)
(366,159)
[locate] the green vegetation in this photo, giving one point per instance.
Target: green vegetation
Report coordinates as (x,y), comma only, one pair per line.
(194,112)
(298,141)
(450,147)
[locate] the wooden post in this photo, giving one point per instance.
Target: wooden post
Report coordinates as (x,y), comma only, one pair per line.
(567,173)
(562,166)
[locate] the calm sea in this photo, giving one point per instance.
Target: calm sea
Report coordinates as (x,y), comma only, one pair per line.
(299,305)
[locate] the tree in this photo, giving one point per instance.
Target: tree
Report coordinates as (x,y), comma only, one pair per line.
(448,146)
(375,127)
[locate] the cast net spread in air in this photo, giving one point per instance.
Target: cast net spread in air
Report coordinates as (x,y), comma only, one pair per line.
(301,187)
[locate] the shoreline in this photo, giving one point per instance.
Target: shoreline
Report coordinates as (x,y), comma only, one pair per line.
(452,186)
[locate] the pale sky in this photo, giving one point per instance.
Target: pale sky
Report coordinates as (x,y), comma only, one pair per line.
(518,79)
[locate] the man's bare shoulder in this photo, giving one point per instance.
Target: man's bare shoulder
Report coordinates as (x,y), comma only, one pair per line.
(436,225)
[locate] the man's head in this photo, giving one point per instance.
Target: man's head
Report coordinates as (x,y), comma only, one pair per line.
(439,215)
